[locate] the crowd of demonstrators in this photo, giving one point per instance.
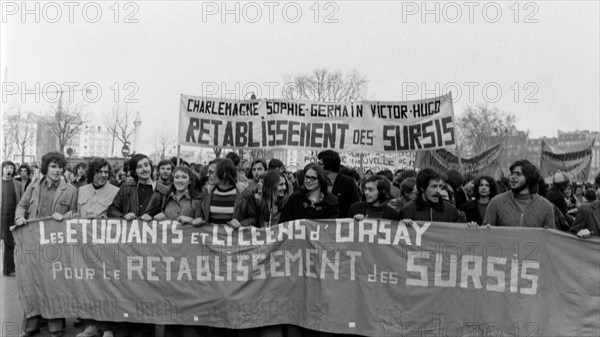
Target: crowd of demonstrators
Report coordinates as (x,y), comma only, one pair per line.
(224,194)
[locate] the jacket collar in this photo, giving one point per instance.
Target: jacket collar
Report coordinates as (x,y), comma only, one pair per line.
(422,204)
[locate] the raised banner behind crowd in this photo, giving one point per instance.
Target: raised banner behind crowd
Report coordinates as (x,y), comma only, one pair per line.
(373,277)
(370,161)
(484,163)
(575,163)
(365,126)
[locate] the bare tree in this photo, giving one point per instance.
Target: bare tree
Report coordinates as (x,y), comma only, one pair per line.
(120,123)
(481,127)
(164,143)
(23,132)
(8,139)
(64,121)
(325,86)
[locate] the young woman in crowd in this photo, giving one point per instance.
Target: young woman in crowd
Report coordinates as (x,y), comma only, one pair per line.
(313,201)
(484,190)
(182,203)
(265,210)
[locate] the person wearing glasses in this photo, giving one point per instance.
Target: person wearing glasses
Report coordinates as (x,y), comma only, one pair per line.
(313,201)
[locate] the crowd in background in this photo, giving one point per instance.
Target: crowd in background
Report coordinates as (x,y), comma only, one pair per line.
(265,194)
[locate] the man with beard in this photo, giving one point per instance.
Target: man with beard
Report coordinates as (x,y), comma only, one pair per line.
(12,191)
(521,206)
(165,172)
(375,206)
(50,196)
(133,196)
(93,200)
(429,205)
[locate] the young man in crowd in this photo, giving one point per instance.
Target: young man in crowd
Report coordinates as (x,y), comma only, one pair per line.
(165,172)
(556,195)
(429,204)
(226,201)
(133,196)
(79,172)
(343,187)
(49,196)
(587,222)
(521,206)
(24,175)
(375,206)
(12,191)
(93,201)
(237,162)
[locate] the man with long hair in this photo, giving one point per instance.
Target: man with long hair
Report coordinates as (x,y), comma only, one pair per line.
(521,206)
(53,197)
(377,194)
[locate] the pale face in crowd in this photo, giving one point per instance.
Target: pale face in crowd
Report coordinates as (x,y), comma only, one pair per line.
(484,188)
(164,172)
(181,181)
(568,191)
(212,175)
(54,172)
(281,187)
(371,193)
(8,171)
(80,171)
(23,174)
(101,176)
(578,191)
(517,179)
(144,170)
(311,182)
(433,191)
(257,171)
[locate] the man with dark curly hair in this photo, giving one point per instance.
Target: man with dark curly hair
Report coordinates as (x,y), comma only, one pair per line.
(50,196)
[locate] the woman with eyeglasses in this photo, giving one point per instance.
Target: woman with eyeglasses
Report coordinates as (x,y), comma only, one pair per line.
(313,201)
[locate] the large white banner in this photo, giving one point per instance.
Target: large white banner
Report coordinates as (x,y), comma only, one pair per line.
(366,126)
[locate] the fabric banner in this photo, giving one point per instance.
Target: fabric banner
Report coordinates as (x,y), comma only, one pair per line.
(575,163)
(370,161)
(366,126)
(484,163)
(373,277)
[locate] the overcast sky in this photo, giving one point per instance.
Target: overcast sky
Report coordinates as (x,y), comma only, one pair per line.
(543,56)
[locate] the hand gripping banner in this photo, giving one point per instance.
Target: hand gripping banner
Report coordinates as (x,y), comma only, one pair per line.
(372,277)
(366,126)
